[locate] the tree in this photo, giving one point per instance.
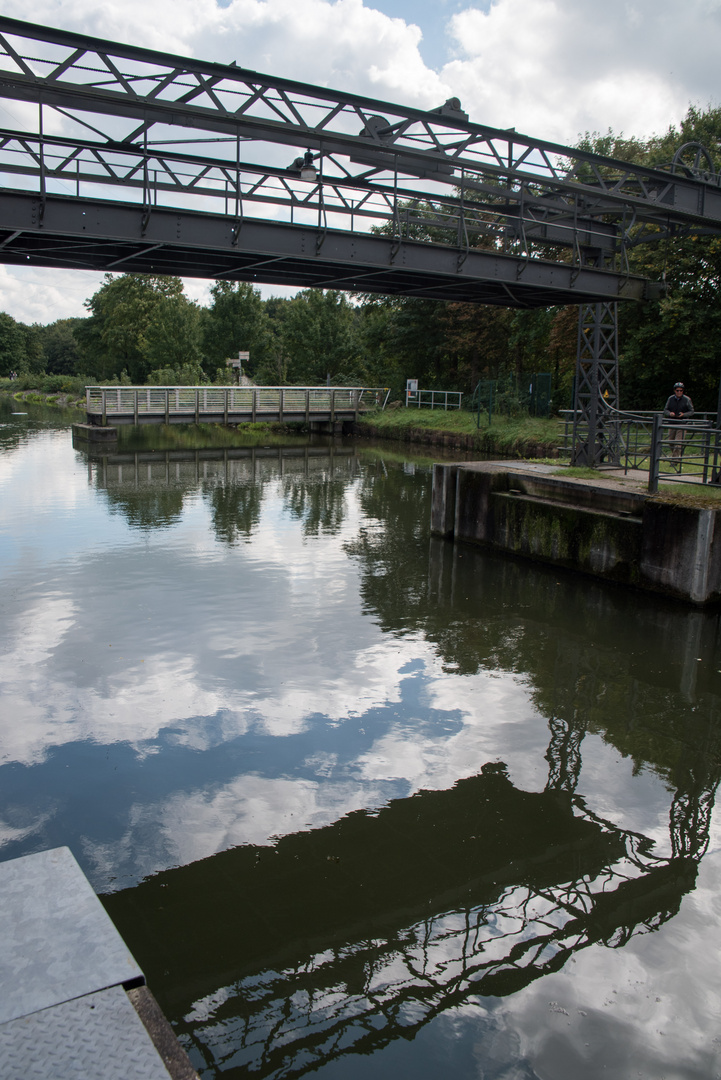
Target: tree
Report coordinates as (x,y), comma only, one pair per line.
(236,321)
(173,337)
(129,328)
(13,346)
(319,337)
(62,354)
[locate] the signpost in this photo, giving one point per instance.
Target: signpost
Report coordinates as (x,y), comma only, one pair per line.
(232,362)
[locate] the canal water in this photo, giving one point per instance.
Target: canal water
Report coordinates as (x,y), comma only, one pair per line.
(362,803)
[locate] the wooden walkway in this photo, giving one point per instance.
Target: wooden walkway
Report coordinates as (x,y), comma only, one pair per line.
(228,404)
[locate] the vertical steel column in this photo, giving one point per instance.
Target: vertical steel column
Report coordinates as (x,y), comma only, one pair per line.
(595,435)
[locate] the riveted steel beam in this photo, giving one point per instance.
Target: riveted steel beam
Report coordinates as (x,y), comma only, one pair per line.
(102,235)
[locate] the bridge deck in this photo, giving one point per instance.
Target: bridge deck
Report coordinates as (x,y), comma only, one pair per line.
(227,404)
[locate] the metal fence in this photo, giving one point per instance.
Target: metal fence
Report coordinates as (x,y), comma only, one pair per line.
(434,399)
(688,453)
(513,395)
(196,402)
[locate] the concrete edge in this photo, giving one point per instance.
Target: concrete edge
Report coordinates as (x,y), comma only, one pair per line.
(165,1040)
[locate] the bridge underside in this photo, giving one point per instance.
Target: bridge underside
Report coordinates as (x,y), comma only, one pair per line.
(86,234)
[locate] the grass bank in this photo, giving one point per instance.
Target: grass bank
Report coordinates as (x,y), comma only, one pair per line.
(508,436)
(59,390)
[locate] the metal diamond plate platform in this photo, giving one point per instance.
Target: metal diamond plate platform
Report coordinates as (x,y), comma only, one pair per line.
(64,971)
(95,1037)
(57,940)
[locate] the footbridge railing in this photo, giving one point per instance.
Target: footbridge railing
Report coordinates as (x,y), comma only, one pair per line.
(229,404)
(688,453)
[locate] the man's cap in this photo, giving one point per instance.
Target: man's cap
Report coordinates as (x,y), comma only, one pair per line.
(678,386)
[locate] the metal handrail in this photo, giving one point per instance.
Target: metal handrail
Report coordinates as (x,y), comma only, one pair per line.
(688,452)
(417,398)
(195,401)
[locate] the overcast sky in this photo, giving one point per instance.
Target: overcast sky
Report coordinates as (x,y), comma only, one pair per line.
(550,68)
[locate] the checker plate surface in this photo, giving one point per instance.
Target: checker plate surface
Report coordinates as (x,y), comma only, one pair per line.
(58,942)
(96,1037)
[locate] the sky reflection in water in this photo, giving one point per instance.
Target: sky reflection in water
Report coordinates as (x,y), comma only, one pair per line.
(225,656)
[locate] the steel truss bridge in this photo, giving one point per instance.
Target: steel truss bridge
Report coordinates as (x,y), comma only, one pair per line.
(125,159)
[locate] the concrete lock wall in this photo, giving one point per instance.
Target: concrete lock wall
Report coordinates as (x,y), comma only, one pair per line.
(618,535)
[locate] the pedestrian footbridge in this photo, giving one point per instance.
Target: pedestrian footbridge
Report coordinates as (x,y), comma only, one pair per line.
(114,405)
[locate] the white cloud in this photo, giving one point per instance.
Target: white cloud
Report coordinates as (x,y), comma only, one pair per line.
(556,68)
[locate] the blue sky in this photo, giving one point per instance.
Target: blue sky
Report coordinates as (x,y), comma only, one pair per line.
(549,68)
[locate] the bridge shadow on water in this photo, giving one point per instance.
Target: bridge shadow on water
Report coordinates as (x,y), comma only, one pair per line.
(340,940)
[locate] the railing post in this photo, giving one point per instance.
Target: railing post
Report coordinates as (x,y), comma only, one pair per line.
(225,411)
(197,405)
(705,444)
(253,405)
(280,405)
(655,460)
(135,413)
(332,405)
(105,408)
(167,406)
(307,406)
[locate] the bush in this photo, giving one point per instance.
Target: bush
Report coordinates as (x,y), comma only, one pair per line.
(184,375)
(72,385)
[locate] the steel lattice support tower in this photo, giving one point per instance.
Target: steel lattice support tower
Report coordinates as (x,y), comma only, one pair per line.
(595,435)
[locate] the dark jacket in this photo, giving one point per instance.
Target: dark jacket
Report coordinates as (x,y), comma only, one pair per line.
(678,408)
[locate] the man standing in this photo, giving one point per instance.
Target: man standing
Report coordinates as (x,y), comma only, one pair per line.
(678,409)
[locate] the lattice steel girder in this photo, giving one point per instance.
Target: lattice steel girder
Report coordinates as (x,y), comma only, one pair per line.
(98,235)
(595,435)
(63,161)
(84,77)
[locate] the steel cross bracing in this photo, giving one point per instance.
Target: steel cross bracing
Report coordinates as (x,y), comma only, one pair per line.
(595,436)
(149,143)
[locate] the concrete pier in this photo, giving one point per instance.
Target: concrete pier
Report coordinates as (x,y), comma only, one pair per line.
(609,527)
(93,433)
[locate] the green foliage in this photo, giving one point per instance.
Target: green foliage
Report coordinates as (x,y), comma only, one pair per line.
(182,375)
(138,322)
(13,346)
(318,335)
(236,322)
(62,354)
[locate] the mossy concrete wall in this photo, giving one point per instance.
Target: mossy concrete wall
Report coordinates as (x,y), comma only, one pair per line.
(611,533)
